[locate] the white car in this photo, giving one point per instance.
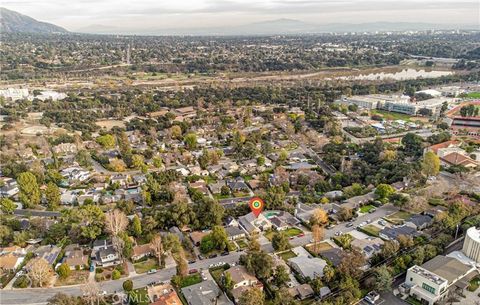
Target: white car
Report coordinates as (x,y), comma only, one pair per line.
(102,293)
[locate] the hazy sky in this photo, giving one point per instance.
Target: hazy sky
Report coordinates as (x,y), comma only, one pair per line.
(75,14)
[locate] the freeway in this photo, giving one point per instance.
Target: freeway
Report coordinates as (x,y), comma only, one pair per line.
(37,296)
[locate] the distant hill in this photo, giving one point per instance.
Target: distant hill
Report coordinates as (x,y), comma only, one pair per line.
(278,26)
(13,22)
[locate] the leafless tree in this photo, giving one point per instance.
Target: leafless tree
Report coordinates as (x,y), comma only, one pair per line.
(318,234)
(115,222)
(40,272)
(91,292)
(157,248)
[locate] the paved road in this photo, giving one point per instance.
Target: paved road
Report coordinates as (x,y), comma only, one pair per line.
(41,295)
(34,296)
(39,213)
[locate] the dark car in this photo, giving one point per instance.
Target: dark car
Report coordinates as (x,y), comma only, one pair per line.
(212,256)
(350,224)
(225,253)
(200,257)
(192,271)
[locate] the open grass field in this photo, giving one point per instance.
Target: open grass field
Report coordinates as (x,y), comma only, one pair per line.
(393,116)
(473,95)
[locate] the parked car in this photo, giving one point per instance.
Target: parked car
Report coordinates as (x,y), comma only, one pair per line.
(350,224)
(200,257)
(301,235)
(338,233)
(372,210)
(225,253)
(192,271)
(191,262)
(152,271)
(213,256)
(372,297)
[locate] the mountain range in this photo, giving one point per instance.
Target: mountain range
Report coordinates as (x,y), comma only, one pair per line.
(11,21)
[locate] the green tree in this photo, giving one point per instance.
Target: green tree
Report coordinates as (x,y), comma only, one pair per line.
(52,195)
(227,281)
(64,270)
(383,278)
(116,274)
(431,164)
(284,297)
(219,237)
(280,241)
(190,140)
(7,206)
(29,192)
(281,276)
(412,145)
(127,285)
(383,191)
(85,222)
(136,226)
(106,141)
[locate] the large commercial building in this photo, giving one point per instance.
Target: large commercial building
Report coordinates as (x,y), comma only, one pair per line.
(471,245)
(431,282)
(395,103)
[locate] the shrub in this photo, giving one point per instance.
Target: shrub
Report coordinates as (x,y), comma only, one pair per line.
(21,282)
(116,275)
(127,285)
(64,270)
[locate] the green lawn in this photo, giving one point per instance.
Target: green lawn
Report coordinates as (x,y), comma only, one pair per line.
(392,116)
(142,267)
(190,280)
(366,208)
(290,232)
(287,255)
(413,301)
(370,230)
(241,243)
(293,232)
(473,95)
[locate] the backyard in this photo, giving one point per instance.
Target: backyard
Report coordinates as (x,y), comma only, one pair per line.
(139,296)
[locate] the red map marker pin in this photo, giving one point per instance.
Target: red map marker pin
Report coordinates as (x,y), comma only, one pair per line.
(256,206)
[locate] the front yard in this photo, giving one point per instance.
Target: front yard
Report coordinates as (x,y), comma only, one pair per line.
(398,217)
(366,208)
(190,280)
(111,272)
(76,277)
(287,255)
(321,246)
(370,230)
(291,232)
(144,266)
(241,243)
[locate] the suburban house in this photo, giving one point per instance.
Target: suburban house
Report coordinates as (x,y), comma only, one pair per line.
(393,233)
(419,222)
(251,224)
(163,295)
(238,185)
(282,220)
(104,253)
(204,293)
(308,267)
(301,292)
(333,255)
(11,258)
(141,251)
(49,252)
(75,258)
(431,282)
(9,188)
(197,236)
(242,280)
(451,153)
(234,232)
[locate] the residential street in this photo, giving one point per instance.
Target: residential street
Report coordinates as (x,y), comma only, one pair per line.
(33,296)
